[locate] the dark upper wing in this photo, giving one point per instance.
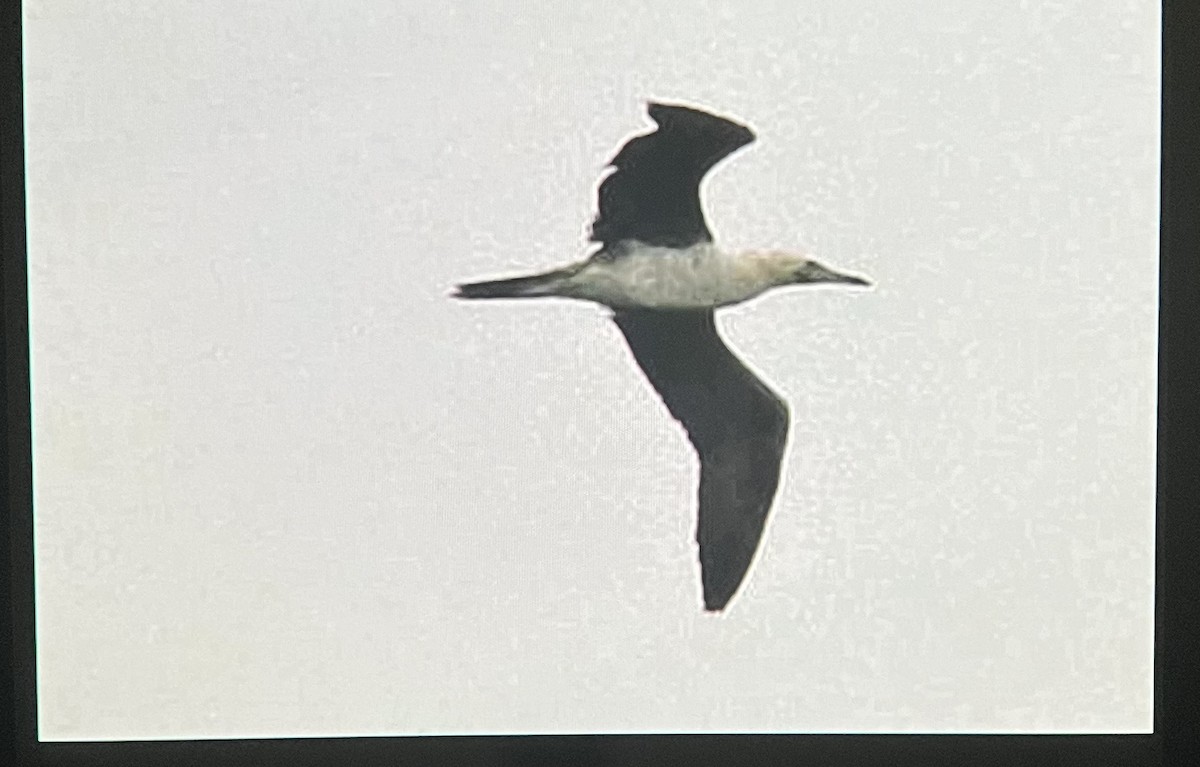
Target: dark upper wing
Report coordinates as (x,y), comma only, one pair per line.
(654,195)
(737,425)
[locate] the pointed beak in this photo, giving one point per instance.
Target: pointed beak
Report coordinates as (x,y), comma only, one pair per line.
(851,279)
(815,272)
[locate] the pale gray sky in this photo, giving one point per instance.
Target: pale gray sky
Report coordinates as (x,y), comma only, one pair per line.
(284,486)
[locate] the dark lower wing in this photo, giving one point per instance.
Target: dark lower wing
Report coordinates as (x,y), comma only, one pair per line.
(737,425)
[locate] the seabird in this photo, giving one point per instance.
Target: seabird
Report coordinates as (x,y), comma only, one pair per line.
(662,276)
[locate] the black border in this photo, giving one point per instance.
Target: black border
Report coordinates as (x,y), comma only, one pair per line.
(1177,715)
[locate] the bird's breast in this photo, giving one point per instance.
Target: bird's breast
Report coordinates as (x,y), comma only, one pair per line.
(648,277)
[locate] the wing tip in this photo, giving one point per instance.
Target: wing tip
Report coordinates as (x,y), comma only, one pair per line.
(715,607)
(663,111)
(717,596)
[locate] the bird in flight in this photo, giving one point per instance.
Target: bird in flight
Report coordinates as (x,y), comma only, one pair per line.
(662,276)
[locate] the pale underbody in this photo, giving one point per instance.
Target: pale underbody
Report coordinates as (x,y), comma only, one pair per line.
(699,277)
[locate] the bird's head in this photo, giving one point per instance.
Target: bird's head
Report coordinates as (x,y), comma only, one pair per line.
(797,269)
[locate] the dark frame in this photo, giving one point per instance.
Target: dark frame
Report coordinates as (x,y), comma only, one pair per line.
(1178,525)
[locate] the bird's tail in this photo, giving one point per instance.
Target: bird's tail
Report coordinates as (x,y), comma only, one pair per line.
(534,286)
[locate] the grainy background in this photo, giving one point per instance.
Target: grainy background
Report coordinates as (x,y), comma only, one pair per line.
(284,486)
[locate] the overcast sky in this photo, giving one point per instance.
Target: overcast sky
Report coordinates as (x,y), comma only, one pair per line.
(285,486)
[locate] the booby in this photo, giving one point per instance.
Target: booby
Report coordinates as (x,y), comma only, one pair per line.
(659,271)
